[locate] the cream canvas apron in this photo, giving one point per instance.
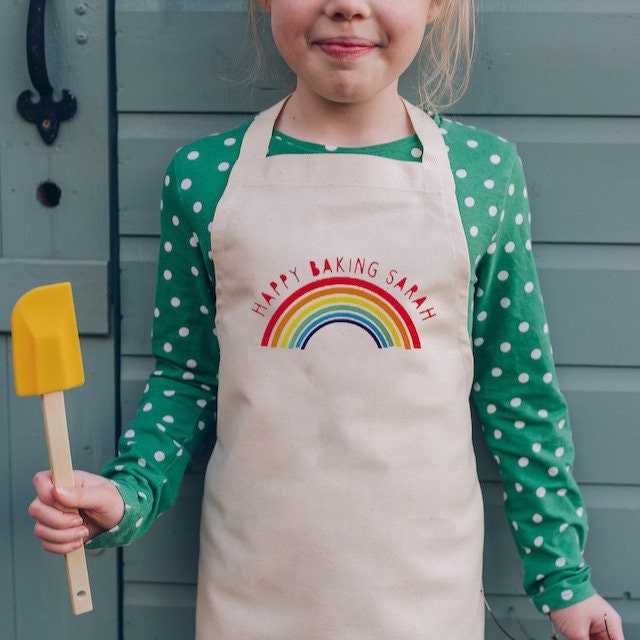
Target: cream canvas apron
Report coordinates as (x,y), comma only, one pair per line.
(342,500)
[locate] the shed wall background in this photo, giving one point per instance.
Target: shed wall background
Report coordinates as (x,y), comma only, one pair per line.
(66,241)
(560,79)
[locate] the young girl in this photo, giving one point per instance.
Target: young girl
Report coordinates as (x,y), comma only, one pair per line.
(338,275)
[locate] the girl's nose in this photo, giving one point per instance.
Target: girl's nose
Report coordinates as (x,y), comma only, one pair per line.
(348,9)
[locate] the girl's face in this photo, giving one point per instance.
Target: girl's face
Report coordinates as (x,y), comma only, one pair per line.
(349,51)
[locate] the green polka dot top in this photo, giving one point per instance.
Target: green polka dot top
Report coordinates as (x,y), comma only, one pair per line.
(515,391)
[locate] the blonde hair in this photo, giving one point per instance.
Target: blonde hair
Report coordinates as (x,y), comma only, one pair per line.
(445,57)
(447,54)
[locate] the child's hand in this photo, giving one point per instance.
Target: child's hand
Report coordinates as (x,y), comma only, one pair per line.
(61,531)
(586,620)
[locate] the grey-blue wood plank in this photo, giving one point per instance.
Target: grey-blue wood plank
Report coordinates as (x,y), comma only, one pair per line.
(7,557)
(592,298)
(89,281)
(604,407)
(574,58)
(581,172)
(532,58)
(595,289)
(176,574)
(146,143)
(604,403)
(159,611)
(599,294)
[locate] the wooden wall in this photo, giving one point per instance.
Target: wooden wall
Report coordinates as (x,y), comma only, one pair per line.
(560,79)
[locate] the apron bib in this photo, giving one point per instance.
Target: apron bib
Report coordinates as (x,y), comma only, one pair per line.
(342,500)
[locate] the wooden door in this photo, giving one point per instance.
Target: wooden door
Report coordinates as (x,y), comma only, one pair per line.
(55,225)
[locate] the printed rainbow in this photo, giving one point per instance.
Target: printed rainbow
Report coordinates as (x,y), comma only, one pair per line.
(341,299)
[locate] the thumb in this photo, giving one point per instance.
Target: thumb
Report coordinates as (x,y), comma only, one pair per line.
(83,501)
(74,497)
(98,500)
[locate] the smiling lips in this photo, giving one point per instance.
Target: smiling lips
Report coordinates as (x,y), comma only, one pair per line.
(345,48)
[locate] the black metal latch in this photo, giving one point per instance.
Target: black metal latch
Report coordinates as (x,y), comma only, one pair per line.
(47,113)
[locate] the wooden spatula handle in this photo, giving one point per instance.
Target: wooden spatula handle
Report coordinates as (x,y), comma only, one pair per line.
(55,425)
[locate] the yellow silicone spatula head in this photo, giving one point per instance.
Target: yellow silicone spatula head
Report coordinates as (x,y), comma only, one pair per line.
(46,346)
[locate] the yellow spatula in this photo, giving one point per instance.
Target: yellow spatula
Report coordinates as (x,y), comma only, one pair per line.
(46,361)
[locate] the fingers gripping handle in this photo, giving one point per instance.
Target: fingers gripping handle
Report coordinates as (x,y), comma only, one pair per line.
(55,424)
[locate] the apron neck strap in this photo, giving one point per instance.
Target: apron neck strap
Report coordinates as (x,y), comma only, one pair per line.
(255,144)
